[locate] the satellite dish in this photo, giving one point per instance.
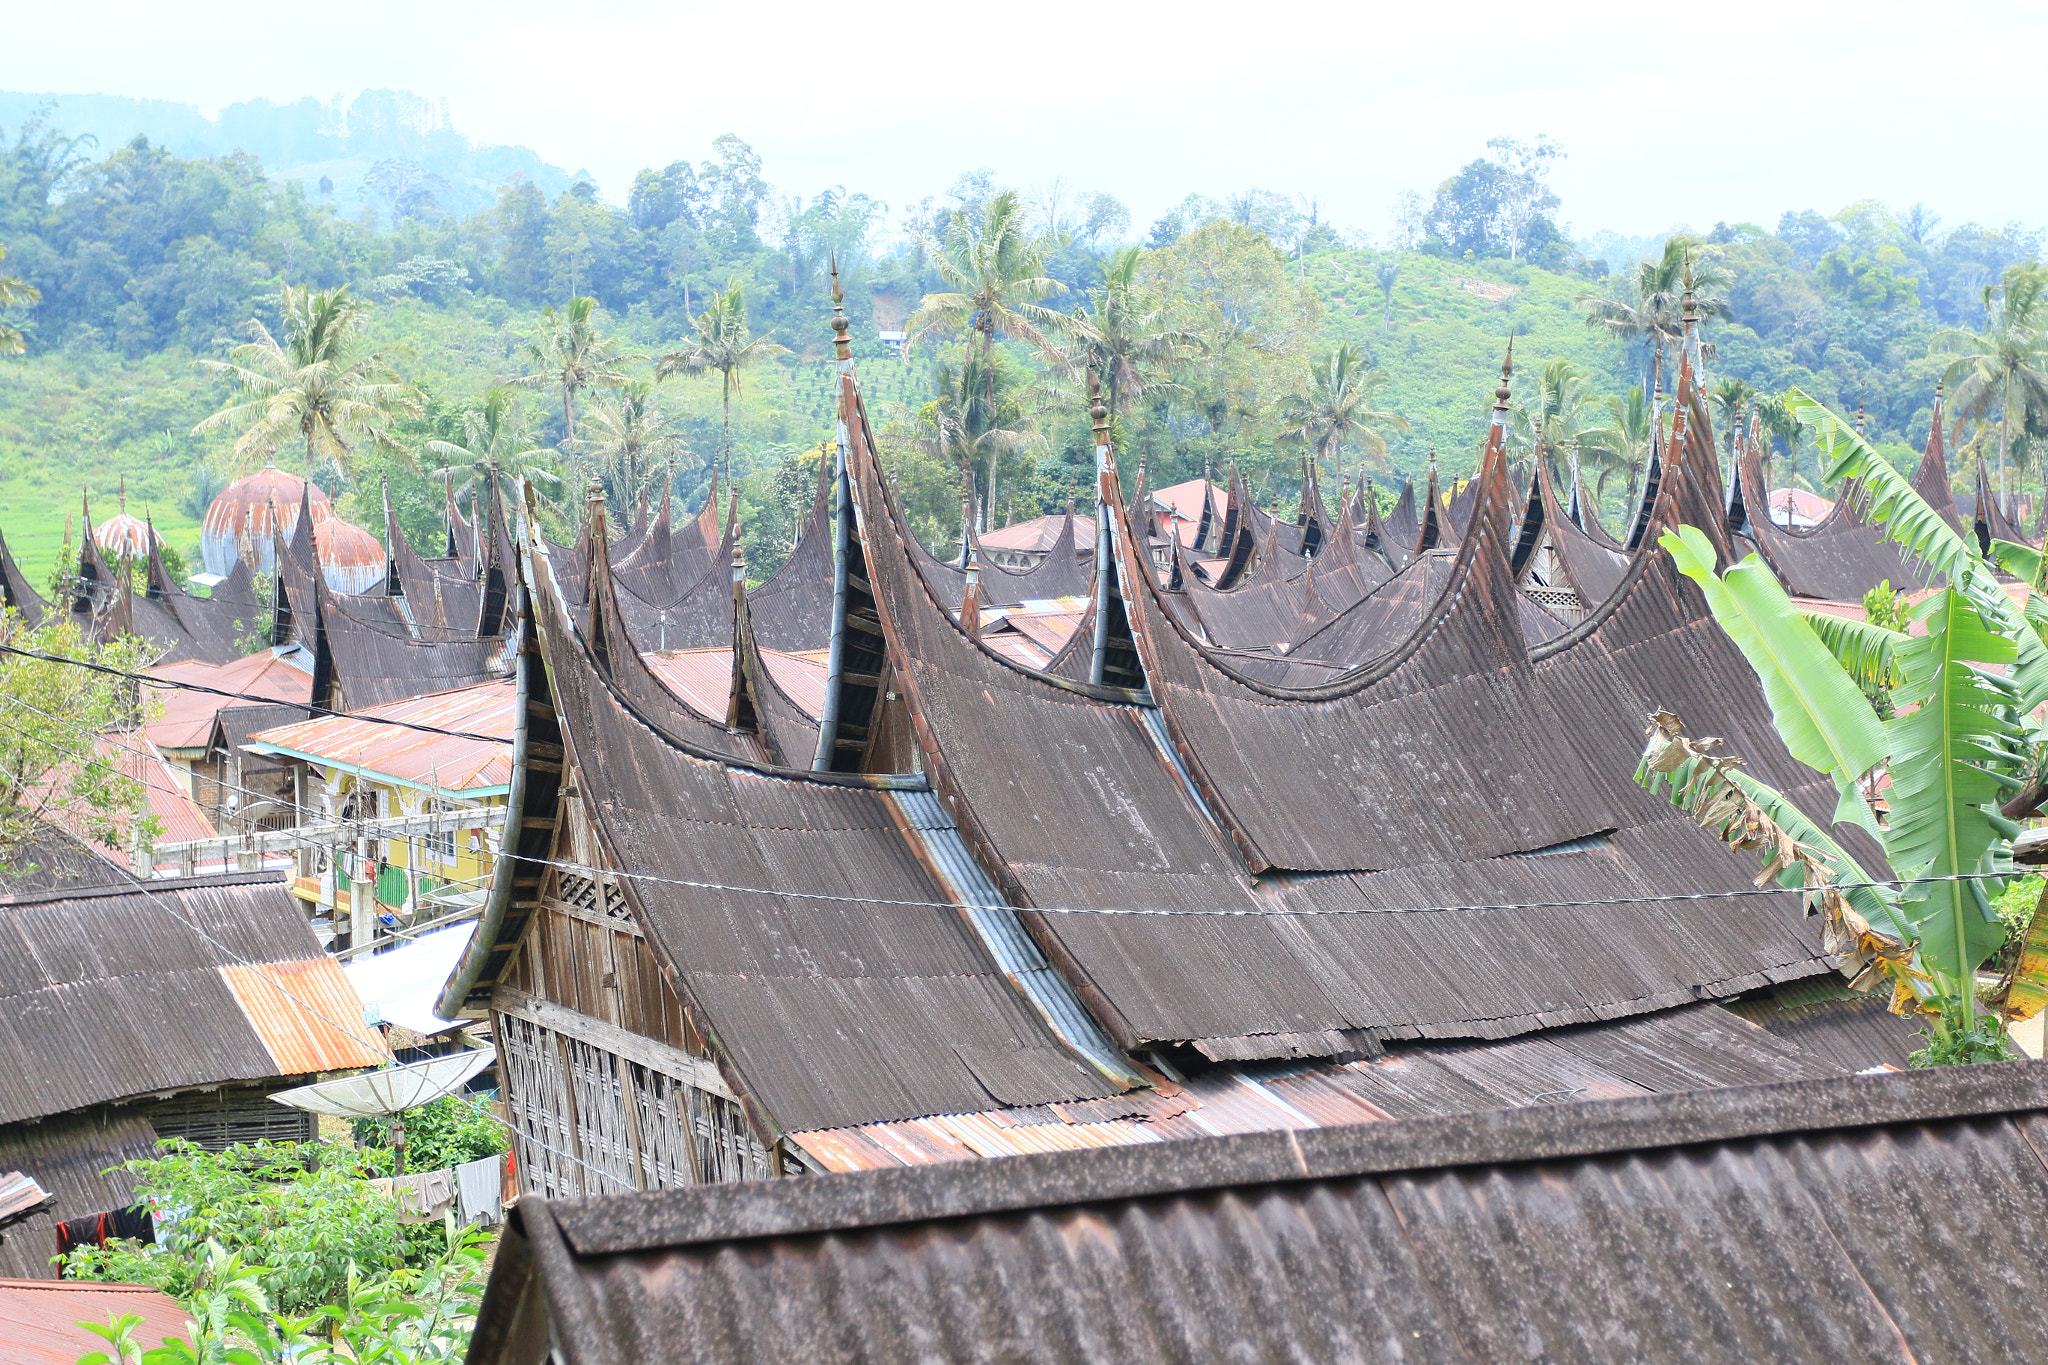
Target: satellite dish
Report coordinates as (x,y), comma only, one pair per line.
(392,1090)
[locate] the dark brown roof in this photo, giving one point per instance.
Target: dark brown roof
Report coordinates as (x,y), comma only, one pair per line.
(833,1006)
(792,611)
(1718,1225)
(118,992)
(1842,557)
(79,1159)
(17,592)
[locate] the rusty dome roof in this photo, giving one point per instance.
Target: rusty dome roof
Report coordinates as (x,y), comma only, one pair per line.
(351,558)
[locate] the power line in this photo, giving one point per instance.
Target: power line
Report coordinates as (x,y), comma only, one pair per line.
(1248,912)
(317,712)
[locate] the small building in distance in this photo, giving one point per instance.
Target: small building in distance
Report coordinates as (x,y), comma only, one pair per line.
(377,763)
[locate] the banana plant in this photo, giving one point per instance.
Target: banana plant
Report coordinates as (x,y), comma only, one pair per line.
(1958,747)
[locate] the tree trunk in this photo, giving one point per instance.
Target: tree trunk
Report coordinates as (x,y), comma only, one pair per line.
(569,413)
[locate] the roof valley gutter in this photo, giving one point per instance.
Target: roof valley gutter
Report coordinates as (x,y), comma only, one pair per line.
(455,992)
(1016,953)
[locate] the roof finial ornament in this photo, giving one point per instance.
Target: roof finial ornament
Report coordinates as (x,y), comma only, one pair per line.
(1507,370)
(842,345)
(1690,306)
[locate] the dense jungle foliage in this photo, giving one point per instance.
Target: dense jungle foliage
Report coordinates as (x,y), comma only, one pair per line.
(1240,331)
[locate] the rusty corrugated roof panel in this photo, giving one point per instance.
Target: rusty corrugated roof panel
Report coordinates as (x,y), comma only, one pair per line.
(360,742)
(187,717)
(306,1014)
(1690,1048)
(1545,1233)
(39,1319)
(118,992)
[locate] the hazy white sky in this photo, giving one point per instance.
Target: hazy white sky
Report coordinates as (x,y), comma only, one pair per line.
(1669,112)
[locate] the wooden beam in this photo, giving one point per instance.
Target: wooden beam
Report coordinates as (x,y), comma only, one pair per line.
(634,1047)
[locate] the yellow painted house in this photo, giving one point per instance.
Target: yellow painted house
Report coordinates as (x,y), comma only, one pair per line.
(371,766)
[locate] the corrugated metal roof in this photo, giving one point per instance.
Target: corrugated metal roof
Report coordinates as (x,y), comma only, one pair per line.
(1686,1049)
(39,1319)
(306,1014)
(1723,1225)
(830,1011)
(703,677)
(115,993)
(187,717)
(460,767)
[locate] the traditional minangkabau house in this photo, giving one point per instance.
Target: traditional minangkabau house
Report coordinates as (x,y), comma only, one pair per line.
(1147,892)
(136,1011)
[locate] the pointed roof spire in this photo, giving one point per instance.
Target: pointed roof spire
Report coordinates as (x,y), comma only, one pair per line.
(1501,394)
(842,345)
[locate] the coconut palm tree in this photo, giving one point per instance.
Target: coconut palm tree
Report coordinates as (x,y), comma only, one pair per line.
(14,290)
(316,386)
(1386,273)
(1781,422)
(1126,333)
(2005,364)
(1656,315)
(1337,407)
(497,446)
(1621,443)
(962,427)
(1556,413)
(629,436)
(722,343)
(1730,399)
(572,355)
(996,269)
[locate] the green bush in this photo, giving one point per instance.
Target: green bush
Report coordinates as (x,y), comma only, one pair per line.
(445,1133)
(303,1213)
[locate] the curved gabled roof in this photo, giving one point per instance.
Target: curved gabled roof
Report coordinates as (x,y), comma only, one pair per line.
(1076,801)
(792,610)
(847,996)
(1842,557)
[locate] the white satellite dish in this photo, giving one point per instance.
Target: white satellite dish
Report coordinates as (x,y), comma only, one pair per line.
(393,1090)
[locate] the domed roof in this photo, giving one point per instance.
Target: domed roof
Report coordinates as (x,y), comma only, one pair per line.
(351,559)
(122,534)
(243,508)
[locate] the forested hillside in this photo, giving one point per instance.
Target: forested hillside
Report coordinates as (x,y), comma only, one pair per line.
(1239,331)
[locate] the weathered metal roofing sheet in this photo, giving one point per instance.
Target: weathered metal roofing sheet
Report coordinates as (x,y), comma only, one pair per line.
(39,1319)
(306,1014)
(186,718)
(119,992)
(362,742)
(1734,1224)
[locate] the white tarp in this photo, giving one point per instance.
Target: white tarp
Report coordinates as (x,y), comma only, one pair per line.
(390,1091)
(401,986)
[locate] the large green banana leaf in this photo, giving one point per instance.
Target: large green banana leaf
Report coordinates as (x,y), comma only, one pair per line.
(1943,822)
(1820,713)
(1862,648)
(1908,520)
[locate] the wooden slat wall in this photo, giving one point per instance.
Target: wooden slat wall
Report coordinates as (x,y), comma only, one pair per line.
(598,963)
(587,1121)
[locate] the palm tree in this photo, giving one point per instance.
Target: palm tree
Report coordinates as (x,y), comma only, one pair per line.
(1621,443)
(572,355)
(1556,413)
(961,426)
(1126,333)
(1338,406)
(14,290)
(1386,273)
(1730,399)
(2007,362)
(497,446)
(315,385)
(996,270)
(1656,316)
(1780,422)
(631,436)
(722,344)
